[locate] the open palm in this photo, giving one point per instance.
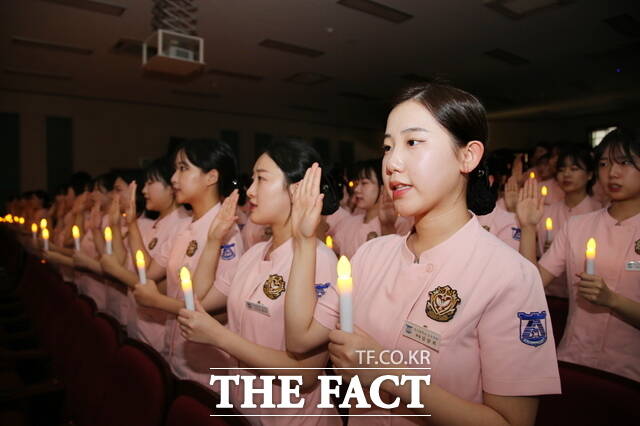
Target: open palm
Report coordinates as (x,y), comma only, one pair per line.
(307,204)
(530,207)
(225,218)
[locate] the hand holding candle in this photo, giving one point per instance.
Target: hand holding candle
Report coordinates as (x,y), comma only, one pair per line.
(142,272)
(75,231)
(187,288)
(345,290)
(591,256)
(108,238)
(45,238)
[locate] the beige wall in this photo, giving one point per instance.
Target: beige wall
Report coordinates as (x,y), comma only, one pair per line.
(113,134)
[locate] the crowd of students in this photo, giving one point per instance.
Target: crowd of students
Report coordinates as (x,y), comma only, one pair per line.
(414,226)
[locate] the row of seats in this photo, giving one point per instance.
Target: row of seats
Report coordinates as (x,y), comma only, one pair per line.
(85,371)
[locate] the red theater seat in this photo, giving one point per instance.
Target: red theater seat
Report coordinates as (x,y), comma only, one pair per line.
(193,406)
(591,398)
(138,387)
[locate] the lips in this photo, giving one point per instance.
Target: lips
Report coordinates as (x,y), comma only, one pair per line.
(399,189)
(614,187)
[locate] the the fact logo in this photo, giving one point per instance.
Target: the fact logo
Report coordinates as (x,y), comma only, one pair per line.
(329,386)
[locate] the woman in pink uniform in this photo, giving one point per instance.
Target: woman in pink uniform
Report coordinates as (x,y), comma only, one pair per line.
(462,302)
(378,217)
(576,176)
(603,327)
(255,336)
(205,173)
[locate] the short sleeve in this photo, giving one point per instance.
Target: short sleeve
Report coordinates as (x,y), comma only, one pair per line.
(327,310)
(517,348)
(554,260)
(161,256)
(223,280)
(230,253)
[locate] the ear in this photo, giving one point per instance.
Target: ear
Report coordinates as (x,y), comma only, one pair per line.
(292,189)
(212,177)
(471,154)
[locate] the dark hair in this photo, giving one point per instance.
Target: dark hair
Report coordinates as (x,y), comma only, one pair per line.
(499,163)
(43,196)
(582,158)
(543,159)
(129,175)
(80,182)
(621,141)
(210,154)
(160,170)
(294,157)
(465,119)
(105,180)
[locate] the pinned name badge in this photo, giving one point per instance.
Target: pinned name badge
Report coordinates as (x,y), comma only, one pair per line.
(632,265)
(258,307)
(421,335)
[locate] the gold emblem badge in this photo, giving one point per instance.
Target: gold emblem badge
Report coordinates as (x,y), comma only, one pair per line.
(274,286)
(638,247)
(153,243)
(193,247)
(442,304)
(487,228)
(371,235)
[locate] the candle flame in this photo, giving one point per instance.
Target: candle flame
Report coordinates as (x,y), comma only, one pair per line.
(532,175)
(43,223)
(591,248)
(45,234)
(549,224)
(108,235)
(544,190)
(22,221)
(140,259)
(344,275)
(34,228)
(329,241)
(185,279)
(351,184)
(9,218)
(75,231)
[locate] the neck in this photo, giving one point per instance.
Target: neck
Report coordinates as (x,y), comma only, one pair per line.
(281,233)
(622,210)
(203,204)
(371,213)
(167,211)
(437,226)
(572,199)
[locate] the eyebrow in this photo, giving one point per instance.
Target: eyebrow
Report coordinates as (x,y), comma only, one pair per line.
(409,130)
(260,171)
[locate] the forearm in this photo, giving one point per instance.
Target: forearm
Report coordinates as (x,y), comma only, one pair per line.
(300,297)
(119,250)
(122,274)
(98,241)
(388,228)
(136,243)
(628,310)
(60,259)
(205,273)
(528,244)
(167,304)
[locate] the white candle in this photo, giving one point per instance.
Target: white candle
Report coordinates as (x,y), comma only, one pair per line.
(108,237)
(75,231)
(34,233)
(187,288)
(549,226)
(45,238)
(591,256)
(345,290)
(142,272)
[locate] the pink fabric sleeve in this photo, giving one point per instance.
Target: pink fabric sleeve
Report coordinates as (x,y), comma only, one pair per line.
(513,362)
(230,254)
(161,256)
(554,260)
(327,310)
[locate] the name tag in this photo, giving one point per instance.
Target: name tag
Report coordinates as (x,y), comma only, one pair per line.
(421,335)
(632,265)
(258,307)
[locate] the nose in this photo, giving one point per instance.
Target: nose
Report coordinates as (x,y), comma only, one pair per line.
(174,178)
(392,162)
(251,191)
(614,169)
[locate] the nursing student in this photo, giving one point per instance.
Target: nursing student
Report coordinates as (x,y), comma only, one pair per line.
(603,327)
(205,173)
(576,176)
(255,293)
(378,216)
(145,324)
(487,335)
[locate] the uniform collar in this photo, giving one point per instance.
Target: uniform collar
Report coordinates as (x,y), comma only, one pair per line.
(205,218)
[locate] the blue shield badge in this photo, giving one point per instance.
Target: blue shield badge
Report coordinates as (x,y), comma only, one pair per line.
(515,233)
(321,289)
(227,252)
(533,328)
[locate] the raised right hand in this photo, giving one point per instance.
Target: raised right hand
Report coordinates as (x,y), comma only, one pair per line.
(307,204)
(530,206)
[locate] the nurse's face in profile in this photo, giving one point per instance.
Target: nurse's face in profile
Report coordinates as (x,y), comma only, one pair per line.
(268,195)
